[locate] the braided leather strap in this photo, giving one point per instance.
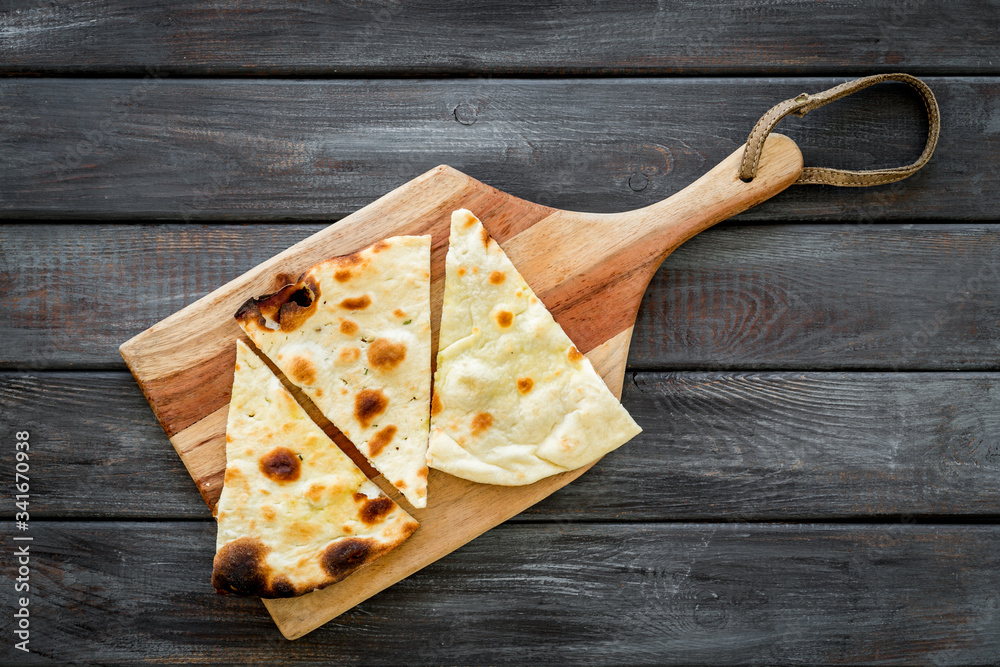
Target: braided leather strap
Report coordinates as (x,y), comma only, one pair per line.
(804,103)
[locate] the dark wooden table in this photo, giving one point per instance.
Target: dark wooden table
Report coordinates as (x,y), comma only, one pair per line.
(819,476)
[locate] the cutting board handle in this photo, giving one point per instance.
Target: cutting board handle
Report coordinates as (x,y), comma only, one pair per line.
(716,196)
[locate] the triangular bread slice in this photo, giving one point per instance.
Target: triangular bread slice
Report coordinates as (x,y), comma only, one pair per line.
(355,334)
(295,514)
(514,400)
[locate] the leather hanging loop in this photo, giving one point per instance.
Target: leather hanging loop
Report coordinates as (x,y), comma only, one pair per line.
(804,103)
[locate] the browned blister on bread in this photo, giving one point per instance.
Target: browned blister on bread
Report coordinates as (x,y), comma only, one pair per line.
(295,514)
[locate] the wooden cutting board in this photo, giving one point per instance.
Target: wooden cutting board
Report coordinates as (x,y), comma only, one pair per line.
(589,269)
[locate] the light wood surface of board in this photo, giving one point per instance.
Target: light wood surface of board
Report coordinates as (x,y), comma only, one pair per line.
(591,270)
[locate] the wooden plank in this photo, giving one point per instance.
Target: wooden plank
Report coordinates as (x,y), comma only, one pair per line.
(319,150)
(74,293)
(627,36)
(772,446)
(113,593)
(96,448)
(844,296)
(740,296)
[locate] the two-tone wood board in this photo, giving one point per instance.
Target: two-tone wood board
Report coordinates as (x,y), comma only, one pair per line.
(589,269)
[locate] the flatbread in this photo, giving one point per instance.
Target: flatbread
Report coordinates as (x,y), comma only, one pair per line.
(295,514)
(514,400)
(355,334)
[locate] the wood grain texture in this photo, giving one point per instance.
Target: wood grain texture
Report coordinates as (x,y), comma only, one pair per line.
(738,296)
(258,150)
(576,263)
(451,38)
(97,449)
(716,446)
(653,594)
(847,296)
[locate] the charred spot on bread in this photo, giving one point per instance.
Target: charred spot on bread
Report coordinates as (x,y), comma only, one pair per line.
(281,588)
(300,305)
(287,309)
(505,318)
(348,328)
(356,303)
(240,567)
(379,441)
(368,404)
(249,313)
(384,354)
(524,385)
(574,354)
(346,555)
(435,403)
(342,276)
(374,510)
(485,236)
(497,277)
(381,245)
(281,465)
